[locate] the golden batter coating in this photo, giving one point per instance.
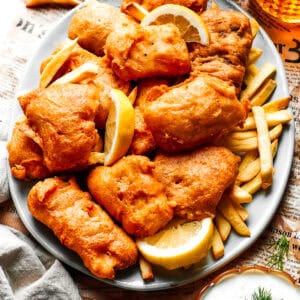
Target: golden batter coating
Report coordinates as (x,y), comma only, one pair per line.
(226,55)
(62,116)
(131,195)
(94,22)
(146,51)
(196,5)
(193,113)
(196,181)
(82,225)
(24,154)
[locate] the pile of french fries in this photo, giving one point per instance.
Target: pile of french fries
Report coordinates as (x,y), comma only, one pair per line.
(256,142)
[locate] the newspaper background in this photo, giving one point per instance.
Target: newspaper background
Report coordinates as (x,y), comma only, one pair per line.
(25,30)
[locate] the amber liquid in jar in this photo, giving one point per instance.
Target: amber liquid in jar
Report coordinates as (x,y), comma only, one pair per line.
(287,11)
(281,20)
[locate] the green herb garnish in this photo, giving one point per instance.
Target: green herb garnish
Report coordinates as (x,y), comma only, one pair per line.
(261,294)
(280,251)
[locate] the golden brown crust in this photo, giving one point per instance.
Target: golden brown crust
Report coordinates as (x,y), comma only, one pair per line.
(81,225)
(139,52)
(93,23)
(196,5)
(196,181)
(193,113)
(131,195)
(25,155)
(62,116)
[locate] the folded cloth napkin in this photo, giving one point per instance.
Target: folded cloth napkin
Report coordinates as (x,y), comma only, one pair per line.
(27,272)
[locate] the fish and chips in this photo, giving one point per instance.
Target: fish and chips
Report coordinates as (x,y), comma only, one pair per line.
(201,140)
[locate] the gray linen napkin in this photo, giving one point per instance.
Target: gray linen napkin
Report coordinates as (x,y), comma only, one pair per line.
(27,272)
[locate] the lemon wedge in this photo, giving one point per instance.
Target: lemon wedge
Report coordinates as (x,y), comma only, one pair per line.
(119,127)
(180,244)
(189,23)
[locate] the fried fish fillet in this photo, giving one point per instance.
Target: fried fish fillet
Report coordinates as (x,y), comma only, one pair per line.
(82,225)
(94,22)
(24,154)
(196,181)
(226,55)
(105,78)
(62,116)
(193,113)
(143,141)
(131,195)
(196,5)
(146,51)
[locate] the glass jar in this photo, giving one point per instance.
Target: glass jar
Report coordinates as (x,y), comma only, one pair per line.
(281,20)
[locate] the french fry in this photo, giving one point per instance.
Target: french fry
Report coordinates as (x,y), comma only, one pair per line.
(254,184)
(238,195)
(217,246)
(264,146)
(223,226)
(253,167)
(55,63)
(272,118)
(242,211)
(266,71)
(85,71)
(250,172)
(132,95)
(136,11)
(254,55)
(146,269)
(264,93)
(254,27)
(277,105)
(251,143)
(247,159)
(228,211)
(33,3)
(241,135)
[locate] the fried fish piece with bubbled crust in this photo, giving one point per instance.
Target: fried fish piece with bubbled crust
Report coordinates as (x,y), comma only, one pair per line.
(193,113)
(131,194)
(94,22)
(196,5)
(196,181)
(62,116)
(82,225)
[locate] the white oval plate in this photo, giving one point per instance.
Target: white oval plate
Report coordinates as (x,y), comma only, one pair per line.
(261,209)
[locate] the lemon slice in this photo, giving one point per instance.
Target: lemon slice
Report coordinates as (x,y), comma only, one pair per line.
(180,244)
(119,127)
(189,23)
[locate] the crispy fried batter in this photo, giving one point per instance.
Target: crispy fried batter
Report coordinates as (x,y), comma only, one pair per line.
(25,155)
(143,141)
(196,5)
(105,79)
(82,225)
(146,51)
(226,55)
(131,195)
(94,22)
(192,113)
(196,181)
(62,116)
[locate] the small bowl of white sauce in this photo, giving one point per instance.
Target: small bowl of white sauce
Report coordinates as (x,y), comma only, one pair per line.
(246,282)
